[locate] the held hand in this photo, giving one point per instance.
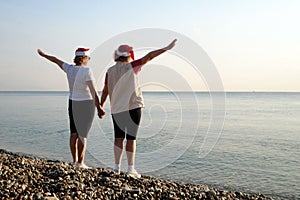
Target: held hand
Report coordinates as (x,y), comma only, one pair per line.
(41,53)
(171,45)
(101,112)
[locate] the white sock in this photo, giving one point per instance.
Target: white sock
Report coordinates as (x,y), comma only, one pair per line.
(117,166)
(130,168)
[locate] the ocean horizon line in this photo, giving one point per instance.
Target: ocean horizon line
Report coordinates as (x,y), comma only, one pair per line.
(149,91)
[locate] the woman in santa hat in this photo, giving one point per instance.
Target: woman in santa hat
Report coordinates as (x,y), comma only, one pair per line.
(126,101)
(83,98)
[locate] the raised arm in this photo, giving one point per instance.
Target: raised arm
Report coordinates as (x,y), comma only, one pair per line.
(94,93)
(156,53)
(51,58)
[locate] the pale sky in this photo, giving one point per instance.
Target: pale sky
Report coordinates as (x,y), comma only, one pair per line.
(255,44)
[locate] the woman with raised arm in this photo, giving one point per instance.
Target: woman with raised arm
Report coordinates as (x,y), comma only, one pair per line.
(126,101)
(83,97)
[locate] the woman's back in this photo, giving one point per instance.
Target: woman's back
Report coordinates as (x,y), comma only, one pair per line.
(123,89)
(77,77)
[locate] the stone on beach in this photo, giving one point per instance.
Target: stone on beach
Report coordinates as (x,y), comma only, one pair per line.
(24,177)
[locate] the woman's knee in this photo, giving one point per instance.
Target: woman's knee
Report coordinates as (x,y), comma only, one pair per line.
(119,142)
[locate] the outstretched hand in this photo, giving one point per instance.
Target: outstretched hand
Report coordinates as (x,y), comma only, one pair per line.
(41,53)
(51,58)
(171,45)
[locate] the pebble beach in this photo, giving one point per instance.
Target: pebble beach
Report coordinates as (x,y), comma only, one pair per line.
(27,177)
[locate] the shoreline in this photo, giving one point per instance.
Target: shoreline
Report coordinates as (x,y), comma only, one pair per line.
(28,177)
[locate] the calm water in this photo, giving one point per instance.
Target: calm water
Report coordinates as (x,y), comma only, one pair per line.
(257,150)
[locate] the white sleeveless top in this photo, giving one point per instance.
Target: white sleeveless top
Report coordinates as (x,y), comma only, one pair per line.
(123,87)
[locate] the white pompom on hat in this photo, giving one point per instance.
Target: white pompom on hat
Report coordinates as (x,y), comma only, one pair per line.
(82,52)
(125,50)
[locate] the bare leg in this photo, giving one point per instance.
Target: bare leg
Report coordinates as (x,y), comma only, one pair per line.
(73,146)
(118,149)
(81,149)
(130,151)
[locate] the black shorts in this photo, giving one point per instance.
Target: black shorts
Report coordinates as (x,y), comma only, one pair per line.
(127,123)
(81,115)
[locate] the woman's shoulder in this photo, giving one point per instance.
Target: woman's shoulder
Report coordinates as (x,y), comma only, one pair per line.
(88,68)
(111,68)
(66,67)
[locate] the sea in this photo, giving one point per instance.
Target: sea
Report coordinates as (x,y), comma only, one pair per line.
(239,141)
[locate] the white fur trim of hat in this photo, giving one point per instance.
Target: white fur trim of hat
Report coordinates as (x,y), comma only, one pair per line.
(119,53)
(82,52)
(124,50)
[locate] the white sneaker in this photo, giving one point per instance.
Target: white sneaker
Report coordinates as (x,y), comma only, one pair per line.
(82,165)
(117,171)
(134,174)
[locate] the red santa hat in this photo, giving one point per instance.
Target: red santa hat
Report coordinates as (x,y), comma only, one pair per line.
(125,50)
(82,52)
